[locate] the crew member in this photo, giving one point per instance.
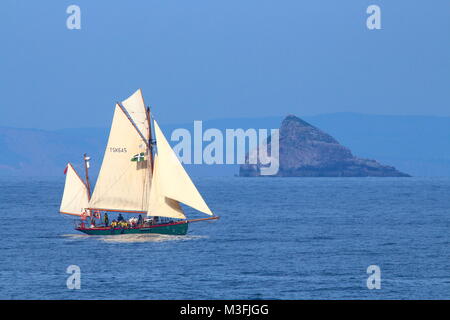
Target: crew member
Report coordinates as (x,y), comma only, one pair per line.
(106,219)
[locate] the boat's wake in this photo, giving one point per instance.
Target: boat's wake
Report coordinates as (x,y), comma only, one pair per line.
(75,236)
(130,238)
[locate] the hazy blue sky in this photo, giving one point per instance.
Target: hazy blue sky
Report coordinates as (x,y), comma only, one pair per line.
(204,59)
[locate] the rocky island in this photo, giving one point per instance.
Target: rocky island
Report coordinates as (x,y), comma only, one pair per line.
(306,151)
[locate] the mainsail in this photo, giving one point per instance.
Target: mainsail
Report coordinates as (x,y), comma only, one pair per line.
(75,196)
(123,184)
(172,181)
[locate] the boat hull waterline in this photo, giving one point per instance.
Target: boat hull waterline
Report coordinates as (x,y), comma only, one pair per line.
(177,228)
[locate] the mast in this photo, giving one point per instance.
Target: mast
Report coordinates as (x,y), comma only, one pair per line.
(150,140)
(86,168)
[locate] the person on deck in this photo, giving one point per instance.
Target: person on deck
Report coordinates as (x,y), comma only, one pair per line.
(120,217)
(106,219)
(139,222)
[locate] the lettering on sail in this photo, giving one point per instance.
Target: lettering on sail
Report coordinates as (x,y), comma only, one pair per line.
(120,150)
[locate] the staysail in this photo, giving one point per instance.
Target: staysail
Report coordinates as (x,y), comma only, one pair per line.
(75,196)
(124,178)
(159,204)
(172,181)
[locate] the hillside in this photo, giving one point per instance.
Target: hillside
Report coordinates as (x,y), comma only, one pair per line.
(418,145)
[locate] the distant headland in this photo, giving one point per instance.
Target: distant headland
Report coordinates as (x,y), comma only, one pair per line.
(417,145)
(306,151)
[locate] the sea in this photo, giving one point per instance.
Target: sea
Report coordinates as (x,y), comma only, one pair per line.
(277,238)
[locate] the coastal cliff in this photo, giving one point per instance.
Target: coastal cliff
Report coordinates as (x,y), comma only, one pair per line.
(306,151)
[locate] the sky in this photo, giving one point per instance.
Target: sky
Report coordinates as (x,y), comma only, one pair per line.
(203,59)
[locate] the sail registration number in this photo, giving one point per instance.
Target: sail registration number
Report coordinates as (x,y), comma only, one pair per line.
(113,149)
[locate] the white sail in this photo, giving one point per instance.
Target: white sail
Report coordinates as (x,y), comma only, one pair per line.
(123,184)
(159,204)
(75,196)
(136,109)
(173,180)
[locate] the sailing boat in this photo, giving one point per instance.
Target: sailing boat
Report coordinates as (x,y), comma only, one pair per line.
(134,179)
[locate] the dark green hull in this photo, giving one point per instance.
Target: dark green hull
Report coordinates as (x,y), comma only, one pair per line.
(179,228)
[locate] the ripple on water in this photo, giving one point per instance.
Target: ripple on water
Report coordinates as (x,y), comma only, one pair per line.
(279,239)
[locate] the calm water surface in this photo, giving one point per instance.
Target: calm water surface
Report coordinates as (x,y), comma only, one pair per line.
(278,238)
